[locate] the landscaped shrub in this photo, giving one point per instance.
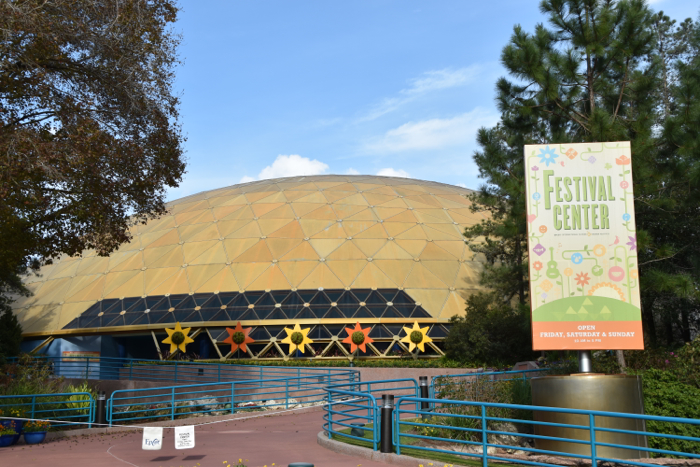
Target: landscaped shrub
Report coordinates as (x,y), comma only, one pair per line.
(665,395)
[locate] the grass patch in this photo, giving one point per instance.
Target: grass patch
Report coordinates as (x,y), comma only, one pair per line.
(453,459)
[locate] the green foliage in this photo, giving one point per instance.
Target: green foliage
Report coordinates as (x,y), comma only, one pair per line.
(238,337)
(665,395)
(10,332)
(297,338)
(358,337)
(28,376)
(416,337)
(177,338)
(492,332)
(7,431)
(89,132)
(76,405)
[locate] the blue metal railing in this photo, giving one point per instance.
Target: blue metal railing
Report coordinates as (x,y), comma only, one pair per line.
(353,404)
(109,368)
(79,409)
(342,408)
(132,405)
(482,430)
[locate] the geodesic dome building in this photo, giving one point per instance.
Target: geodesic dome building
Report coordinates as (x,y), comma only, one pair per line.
(324,252)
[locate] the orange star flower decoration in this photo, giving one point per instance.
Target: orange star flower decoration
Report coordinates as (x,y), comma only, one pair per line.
(238,337)
(358,338)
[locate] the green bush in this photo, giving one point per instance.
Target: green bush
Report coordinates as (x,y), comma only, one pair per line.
(665,395)
(491,333)
(10,332)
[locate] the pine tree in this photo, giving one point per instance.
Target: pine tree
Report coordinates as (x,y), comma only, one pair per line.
(592,74)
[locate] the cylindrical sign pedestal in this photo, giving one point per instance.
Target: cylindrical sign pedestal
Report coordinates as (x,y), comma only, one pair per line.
(609,393)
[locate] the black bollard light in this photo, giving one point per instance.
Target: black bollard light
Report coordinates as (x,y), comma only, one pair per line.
(424,394)
(300,464)
(100,407)
(386,440)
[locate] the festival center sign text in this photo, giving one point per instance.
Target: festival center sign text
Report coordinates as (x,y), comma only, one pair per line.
(584,281)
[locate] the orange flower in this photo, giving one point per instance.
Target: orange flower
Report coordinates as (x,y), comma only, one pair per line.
(568,272)
(623,160)
(355,340)
(238,337)
(582,278)
(543,229)
(537,265)
(634,273)
(546,285)
(571,153)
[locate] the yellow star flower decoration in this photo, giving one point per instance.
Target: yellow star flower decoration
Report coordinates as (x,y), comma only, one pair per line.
(416,337)
(297,338)
(177,338)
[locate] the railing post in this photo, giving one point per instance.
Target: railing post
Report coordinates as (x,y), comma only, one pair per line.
(218,376)
(261,376)
(298,378)
(87,366)
(131,368)
(286,393)
(33,406)
(233,395)
(172,404)
(484,438)
(397,432)
(176,372)
(594,453)
(330,415)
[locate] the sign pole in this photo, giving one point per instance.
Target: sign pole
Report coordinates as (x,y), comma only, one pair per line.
(585,363)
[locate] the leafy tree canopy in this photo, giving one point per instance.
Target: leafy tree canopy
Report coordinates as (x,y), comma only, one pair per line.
(89,132)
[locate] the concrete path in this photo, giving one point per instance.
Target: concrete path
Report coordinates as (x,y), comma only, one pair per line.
(271,440)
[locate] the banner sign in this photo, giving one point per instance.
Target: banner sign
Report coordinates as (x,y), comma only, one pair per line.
(152,438)
(184,437)
(584,282)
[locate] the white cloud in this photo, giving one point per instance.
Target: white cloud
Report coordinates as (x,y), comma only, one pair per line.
(292,165)
(389,172)
(429,81)
(352,171)
(435,133)
(246,179)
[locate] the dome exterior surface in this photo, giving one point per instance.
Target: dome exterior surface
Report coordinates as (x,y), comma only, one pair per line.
(301,233)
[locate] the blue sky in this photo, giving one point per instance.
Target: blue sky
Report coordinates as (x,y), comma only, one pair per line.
(394,87)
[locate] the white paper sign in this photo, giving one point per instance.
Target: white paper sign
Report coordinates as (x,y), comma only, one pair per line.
(184,437)
(152,438)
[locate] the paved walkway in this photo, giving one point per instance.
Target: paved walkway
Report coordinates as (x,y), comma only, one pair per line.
(276,439)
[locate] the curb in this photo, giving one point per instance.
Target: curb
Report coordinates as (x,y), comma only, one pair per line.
(367,453)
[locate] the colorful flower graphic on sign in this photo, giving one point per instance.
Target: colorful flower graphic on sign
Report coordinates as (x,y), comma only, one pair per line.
(539,249)
(632,243)
(599,250)
(577,258)
(623,160)
(547,156)
(571,153)
(582,279)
